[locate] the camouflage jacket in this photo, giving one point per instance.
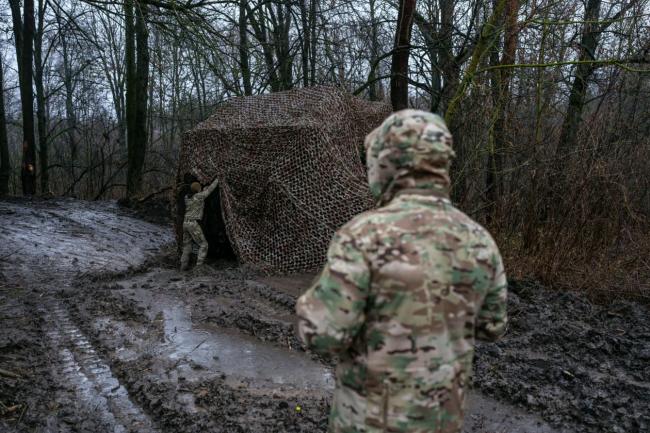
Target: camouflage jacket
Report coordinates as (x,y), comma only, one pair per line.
(194,204)
(406,289)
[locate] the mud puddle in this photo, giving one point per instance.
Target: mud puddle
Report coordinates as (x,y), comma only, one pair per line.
(211,350)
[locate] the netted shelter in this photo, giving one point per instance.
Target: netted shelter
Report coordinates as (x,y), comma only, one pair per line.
(290,169)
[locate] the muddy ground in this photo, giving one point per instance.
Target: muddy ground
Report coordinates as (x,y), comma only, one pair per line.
(101,333)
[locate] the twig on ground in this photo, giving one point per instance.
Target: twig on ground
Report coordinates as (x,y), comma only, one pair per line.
(11,409)
(155,193)
(8,255)
(25,406)
(197,346)
(9,374)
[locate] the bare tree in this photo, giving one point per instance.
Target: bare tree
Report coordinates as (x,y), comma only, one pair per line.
(24,38)
(5,167)
(244,50)
(589,40)
(41,115)
(501,87)
(137,80)
(400,65)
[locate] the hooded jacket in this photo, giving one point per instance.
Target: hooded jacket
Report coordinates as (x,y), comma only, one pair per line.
(406,289)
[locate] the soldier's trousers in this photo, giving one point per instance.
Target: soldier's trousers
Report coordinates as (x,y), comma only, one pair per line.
(192,232)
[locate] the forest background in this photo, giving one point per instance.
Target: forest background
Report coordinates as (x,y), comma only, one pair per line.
(548,101)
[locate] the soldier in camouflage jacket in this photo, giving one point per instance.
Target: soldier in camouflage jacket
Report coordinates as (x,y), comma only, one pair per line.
(406,289)
(192,231)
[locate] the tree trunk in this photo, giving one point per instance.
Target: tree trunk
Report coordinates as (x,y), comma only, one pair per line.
(375,93)
(400,64)
(137,81)
(28,170)
(243,49)
(313,40)
(18,35)
(28,177)
(588,45)
(112,61)
(5,167)
(70,116)
(282,46)
(487,37)
(432,41)
(260,30)
(501,87)
(130,79)
(306,44)
(449,67)
(41,115)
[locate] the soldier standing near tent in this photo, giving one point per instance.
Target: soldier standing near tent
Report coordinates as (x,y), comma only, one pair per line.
(192,232)
(405,291)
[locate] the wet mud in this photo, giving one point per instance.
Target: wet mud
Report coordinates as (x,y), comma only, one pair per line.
(573,362)
(105,335)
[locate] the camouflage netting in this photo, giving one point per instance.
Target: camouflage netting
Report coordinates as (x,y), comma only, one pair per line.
(290,171)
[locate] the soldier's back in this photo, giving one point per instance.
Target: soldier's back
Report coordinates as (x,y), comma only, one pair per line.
(431,267)
(194,207)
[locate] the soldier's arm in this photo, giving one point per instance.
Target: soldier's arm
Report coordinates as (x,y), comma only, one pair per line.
(331,312)
(207,191)
(493,317)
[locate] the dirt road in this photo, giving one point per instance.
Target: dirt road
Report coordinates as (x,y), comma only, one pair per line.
(102,334)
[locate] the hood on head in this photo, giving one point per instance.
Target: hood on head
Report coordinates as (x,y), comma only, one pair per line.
(411,152)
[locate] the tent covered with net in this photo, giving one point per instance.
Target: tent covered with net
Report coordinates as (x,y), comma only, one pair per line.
(290,170)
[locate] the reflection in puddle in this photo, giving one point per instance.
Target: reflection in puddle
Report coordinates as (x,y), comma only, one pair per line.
(230,352)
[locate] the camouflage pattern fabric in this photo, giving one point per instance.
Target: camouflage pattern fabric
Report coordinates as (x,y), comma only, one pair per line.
(195,203)
(405,291)
(192,231)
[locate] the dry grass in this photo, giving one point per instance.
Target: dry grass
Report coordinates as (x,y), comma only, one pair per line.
(588,232)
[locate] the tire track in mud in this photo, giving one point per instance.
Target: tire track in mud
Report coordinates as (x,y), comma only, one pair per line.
(98,391)
(46,246)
